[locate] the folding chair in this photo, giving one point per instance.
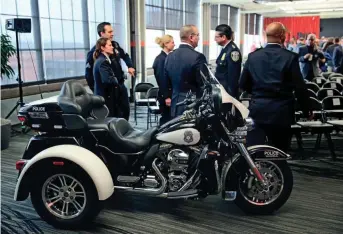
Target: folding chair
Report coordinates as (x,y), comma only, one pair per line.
(327,92)
(318,126)
(333,107)
(319,81)
(152,109)
(333,85)
(141,89)
(335,75)
(312,86)
(326,74)
(311,93)
(337,79)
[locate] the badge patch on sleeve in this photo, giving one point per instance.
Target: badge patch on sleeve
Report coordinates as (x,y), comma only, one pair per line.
(235,56)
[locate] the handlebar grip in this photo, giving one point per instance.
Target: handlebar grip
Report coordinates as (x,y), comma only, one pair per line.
(180,103)
(191,106)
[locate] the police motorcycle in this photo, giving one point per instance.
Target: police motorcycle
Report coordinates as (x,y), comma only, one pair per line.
(80,157)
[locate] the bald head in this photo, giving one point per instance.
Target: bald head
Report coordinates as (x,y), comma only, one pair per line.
(276,32)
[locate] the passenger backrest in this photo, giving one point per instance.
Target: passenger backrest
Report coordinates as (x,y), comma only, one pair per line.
(74,99)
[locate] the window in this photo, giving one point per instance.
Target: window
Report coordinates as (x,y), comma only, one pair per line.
(224,14)
(167,17)
(152,49)
(214,48)
(29,49)
(154,14)
(233,22)
(62,35)
(191,12)
(174,14)
(214,16)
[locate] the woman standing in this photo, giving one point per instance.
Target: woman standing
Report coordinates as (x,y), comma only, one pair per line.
(105,82)
(167,44)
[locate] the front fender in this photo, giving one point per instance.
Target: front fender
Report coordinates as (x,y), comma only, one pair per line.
(84,158)
(263,152)
(257,153)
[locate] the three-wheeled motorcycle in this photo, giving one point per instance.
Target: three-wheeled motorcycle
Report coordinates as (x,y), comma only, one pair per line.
(80,157)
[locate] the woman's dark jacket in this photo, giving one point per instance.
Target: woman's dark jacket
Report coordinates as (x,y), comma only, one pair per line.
(104,78)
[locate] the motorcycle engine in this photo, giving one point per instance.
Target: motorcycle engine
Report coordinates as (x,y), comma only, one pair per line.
(178,165)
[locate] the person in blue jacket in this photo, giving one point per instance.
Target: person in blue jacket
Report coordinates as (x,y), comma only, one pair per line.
(105,30)
(164,94)
(105,81)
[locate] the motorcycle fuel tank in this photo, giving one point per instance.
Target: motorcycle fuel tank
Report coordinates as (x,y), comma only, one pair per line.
(185,136)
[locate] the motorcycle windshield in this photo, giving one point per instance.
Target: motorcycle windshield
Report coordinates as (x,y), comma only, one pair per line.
(227,98)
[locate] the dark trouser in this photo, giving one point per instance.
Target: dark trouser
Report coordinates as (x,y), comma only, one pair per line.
(278,136)
(124,104)
(111,101)
(310,75)
(165,111)
(176,98)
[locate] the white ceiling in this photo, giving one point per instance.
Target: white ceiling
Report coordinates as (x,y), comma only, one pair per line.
(280,8)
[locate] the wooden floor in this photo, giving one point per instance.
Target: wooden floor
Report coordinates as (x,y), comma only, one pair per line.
(315,206)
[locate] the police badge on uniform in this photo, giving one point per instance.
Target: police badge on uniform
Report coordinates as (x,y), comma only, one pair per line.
(235,56)
(188,136)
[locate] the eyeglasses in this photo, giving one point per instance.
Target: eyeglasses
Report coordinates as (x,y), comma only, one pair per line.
(198,34)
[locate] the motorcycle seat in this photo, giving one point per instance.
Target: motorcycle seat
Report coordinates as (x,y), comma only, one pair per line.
(99,124)
(128,139)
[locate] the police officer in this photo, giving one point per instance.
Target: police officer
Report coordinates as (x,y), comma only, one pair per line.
(182,68)
(167,44)
(271,75)
(229,61)
(105,30)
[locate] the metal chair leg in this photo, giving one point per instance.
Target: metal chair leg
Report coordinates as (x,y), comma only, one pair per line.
(331,145)
(148,118)
(318,140)
(136,112)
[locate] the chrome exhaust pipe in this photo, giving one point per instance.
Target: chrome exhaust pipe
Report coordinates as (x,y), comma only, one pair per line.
(148,191)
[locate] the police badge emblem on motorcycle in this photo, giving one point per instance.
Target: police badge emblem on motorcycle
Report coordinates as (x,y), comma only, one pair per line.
(188,136)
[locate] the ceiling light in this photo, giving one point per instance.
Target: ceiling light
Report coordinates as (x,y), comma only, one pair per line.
(318,10)
(291,2)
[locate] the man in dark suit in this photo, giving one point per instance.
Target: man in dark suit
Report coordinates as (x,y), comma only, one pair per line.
(105,30)
(309,57)
(330,51)
(271,75)
(183,67)
(337,58)
(229,61)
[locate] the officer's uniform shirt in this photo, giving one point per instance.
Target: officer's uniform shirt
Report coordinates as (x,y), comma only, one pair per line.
(271,75)
(228,68)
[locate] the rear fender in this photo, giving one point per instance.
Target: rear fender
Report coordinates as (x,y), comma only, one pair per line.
(82,157)
(39,143)
(258,153)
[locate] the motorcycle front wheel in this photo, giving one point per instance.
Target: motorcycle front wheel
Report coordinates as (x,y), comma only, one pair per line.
(65,197)
(253,198)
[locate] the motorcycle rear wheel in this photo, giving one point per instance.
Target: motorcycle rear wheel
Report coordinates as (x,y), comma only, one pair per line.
(253,199)
(65,197)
